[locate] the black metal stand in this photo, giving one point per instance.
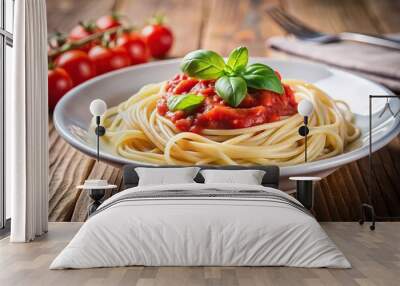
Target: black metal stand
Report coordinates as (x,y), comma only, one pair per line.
(369,207)
(304,190)
(100,131)
(304,193)
(303,131)
(364,210)
(96,195)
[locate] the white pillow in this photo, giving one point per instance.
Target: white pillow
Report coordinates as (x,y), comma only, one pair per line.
(248,177)
(166,176)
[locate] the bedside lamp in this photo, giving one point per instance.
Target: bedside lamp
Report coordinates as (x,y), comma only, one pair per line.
(97,188)
(98,107)
(305,109)
(304,189)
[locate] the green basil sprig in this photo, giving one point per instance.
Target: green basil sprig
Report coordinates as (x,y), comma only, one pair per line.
(186,102)
(260,76)
(232,78)
(238,58)
(232,89)
(203,64)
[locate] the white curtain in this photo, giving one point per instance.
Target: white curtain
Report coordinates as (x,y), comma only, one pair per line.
(27,124)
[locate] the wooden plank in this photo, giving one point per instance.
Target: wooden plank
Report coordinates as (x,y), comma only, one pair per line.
(63,15)
(185,17)
(336,180)
(68,168)
(394,151)
(377,199)
(385,15)
(320,204)
(100,171)
(329,194)
(244,23)
(386,179)
(333,16)
(351,190)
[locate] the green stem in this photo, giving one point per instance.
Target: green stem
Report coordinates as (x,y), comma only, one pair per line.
(80,43)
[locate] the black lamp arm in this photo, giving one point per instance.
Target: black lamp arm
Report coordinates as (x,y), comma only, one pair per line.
(100,131)
(303,131)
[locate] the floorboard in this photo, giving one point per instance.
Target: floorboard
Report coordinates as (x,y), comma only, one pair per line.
(374,255)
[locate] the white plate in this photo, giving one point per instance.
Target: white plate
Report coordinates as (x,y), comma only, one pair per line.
(72,116)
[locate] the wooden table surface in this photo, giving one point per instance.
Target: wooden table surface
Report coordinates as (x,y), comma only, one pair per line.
(221,25)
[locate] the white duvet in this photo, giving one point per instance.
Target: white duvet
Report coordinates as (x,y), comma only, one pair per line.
(200,231)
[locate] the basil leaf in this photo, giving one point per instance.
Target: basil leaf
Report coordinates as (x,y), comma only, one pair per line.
(232,89)
(203,64)
(260,76)
(186,102)
(238,58)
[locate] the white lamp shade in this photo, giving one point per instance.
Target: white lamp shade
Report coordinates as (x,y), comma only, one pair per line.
(305,108)
(98,107)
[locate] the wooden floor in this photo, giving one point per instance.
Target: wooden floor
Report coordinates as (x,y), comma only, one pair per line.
(374,255)
(222,25)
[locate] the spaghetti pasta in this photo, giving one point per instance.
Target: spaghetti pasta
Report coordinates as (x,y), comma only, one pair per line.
(135,130)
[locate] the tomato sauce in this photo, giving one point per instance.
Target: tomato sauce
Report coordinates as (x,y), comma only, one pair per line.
(258,107)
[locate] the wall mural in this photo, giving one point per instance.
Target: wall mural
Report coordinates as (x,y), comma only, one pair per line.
(205,106)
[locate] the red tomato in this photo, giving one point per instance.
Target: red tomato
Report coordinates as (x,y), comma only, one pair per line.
(77,64)
(109,59)
(159,39)
(82,31)
(183,124)
(230,118)
(107,22)
(136,47)
(79,32)
(59,82)
(162,107)
(185,86)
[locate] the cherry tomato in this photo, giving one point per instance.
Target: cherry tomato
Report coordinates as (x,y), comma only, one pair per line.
(109,59)
(80,32)
(77,64)
(107,22)
(136,47)
(185,86)
(183,124)
(59,82)
(159,39)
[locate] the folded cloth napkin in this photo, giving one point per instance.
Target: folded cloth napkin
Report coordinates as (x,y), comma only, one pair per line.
(376,63)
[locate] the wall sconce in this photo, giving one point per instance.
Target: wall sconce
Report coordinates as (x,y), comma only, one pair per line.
(98,107)
(305,109)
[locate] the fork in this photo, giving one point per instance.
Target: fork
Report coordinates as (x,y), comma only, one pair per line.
(294,26)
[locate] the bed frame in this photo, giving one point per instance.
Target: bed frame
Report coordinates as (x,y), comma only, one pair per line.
(271,177)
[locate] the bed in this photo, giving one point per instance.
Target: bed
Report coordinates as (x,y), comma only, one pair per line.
(201,224)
